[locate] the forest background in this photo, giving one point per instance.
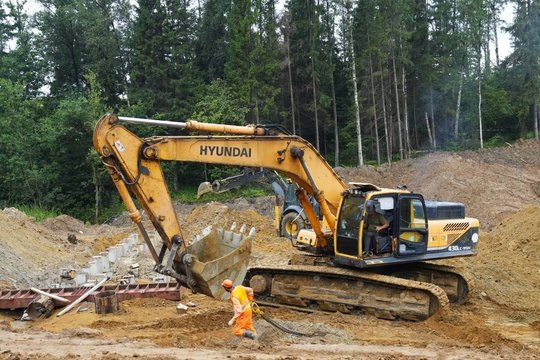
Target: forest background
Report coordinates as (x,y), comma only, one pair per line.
(366,82)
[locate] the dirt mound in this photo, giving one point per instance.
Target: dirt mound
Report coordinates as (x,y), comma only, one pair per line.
(33,253)
(492,183)
(64,223)
(506,268)
(28,250)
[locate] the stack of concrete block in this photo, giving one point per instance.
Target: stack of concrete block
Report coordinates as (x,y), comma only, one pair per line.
(104,264)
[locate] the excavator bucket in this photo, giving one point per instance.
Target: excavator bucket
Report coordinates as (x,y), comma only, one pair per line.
(219,254)
(204,188)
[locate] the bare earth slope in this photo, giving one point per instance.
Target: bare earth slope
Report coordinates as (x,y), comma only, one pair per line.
(492,183)
(33,253)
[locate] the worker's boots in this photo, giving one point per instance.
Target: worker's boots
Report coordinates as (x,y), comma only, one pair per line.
(249,334)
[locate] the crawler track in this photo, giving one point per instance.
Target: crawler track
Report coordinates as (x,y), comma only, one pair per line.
(308,287)
(455,282)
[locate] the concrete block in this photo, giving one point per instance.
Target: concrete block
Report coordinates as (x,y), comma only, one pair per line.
(94,267)
(105,261)
(111,254)
(98,261)
(81,278)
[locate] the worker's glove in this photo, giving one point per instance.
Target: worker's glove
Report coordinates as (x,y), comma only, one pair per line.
(231,322)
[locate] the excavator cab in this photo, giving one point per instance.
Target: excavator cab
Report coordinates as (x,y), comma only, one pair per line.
(407,234)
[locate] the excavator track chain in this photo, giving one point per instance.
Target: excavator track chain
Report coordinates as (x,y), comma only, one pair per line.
(307,287)
(455,282)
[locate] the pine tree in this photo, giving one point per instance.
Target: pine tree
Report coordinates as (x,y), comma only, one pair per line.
(302,55)
(151,62)
(211,40)
(185,79)
(264,62)
(240,49)
(525,58)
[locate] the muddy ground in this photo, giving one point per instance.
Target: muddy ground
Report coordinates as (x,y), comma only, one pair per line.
(501,320)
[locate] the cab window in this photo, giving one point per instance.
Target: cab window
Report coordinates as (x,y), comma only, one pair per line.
(349,216)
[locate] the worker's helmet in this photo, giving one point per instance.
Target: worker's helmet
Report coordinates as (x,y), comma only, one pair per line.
(227,284)
(370,205)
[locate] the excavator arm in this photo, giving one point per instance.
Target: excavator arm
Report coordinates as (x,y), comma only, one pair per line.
(134,164)
(248,175)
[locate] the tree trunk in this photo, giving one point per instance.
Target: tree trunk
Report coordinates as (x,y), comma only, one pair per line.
(405,114)
(486,42)
(374,103)
(336,133)
(257,120)
(428,129)
(458,107)
(480,106)
(398,113)
(495,34)
(298,117)
(291,88)
(388,152)
(535,119)
(106,302)
(40,308)
(433,134)
(316,113)
(355,89)
(333,89)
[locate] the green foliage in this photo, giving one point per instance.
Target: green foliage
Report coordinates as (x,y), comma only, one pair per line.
(24,177)
(38,212)
(495,141)
(66,138)
(218,105)
(189,194)
(210,45)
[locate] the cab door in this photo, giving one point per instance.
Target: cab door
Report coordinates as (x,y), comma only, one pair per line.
(347,239)
(412,226)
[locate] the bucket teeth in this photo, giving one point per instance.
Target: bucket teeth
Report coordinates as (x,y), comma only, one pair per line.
(217,255)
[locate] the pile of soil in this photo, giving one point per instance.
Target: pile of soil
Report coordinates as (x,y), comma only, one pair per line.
(29,252)
(506,267)
(492,183)
(34,253)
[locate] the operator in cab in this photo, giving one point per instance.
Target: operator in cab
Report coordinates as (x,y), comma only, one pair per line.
(373,224)
(241,298)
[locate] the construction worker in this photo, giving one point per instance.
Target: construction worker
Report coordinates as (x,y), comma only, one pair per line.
(373,223)
(242,321)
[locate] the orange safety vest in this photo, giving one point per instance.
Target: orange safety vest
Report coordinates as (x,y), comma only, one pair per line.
(241,301)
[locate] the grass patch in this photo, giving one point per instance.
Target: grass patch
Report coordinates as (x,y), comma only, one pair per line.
(37,212)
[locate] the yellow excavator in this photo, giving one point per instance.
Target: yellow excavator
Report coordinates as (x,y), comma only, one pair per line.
(329,270)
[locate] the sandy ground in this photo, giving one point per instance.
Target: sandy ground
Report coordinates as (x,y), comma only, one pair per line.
(501,320)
